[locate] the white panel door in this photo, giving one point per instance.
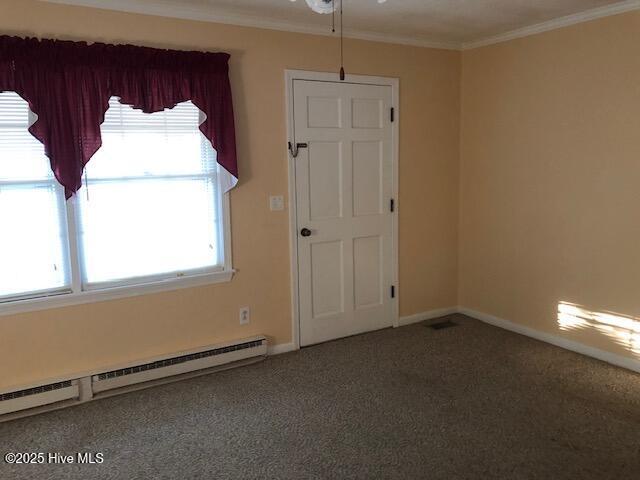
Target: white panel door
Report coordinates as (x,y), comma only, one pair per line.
(345,226)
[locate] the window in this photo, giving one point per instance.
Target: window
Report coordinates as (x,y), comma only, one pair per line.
(151,210)
(33,254)
(150,205)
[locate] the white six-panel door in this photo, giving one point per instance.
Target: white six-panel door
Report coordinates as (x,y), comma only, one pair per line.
(344,183)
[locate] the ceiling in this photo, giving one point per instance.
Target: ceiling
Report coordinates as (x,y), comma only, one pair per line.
(444,23)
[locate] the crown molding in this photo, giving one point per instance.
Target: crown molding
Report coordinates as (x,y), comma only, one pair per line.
(169,9)
(203,14)
(593,14)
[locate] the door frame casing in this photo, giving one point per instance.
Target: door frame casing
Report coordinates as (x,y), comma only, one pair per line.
(290,76)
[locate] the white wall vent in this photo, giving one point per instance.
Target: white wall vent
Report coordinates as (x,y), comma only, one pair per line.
(38,396)
(180,364)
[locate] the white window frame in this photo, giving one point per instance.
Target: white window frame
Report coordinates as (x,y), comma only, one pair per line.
(76,295)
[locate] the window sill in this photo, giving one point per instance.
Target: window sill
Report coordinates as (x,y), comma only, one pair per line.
(94,296)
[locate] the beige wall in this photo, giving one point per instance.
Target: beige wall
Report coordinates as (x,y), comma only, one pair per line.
(43,344)
(550,177)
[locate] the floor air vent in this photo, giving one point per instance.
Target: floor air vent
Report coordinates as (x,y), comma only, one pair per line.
(180,364)
(38,396)
(443,324)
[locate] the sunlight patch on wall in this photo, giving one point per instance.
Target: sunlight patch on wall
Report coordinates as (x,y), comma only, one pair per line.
(623,329)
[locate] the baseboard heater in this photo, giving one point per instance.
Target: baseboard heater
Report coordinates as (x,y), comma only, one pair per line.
(38,396)
(146,373)
(168,367)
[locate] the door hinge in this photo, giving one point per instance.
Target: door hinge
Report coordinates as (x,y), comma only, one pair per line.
(393,114)
(392,205)
(393,291)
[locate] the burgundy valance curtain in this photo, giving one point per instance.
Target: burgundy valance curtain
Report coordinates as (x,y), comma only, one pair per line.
(68,86)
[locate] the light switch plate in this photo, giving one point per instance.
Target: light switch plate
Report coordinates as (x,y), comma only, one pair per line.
(276,203)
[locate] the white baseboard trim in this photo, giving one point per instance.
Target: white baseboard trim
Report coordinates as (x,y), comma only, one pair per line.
(557,340)
(280,348)
(429,315)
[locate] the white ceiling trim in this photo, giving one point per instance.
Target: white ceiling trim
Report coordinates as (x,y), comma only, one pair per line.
(205,15)
(593,14)
(202,14)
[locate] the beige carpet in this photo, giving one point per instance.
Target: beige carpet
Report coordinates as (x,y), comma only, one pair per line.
(469,402)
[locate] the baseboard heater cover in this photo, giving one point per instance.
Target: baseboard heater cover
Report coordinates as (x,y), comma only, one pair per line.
(84,387)
(38,396)
(178,365)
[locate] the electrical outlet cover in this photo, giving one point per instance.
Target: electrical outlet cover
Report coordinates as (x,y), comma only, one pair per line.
(245,315)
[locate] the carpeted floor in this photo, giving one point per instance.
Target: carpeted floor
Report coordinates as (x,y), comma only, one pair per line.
(469,402)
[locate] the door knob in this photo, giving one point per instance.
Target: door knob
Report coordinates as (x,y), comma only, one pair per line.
(305,232)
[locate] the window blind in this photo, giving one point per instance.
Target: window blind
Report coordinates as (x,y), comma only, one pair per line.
(21,155)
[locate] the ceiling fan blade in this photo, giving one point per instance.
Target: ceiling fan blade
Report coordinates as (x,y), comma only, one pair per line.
(322,6)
